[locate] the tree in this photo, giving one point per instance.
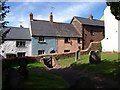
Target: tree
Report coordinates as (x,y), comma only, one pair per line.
(4,9)
(115,8)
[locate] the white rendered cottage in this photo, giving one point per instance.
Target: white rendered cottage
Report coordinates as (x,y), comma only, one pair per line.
(112,25)
(16,41)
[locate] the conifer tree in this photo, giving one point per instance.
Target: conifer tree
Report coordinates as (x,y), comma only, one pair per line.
(114,7)
(4,9)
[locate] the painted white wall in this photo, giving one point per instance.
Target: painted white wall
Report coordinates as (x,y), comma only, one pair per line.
(110,42)
(31,39)
(10,47)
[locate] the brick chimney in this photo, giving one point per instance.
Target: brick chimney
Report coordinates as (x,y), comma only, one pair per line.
(90,17)
(51,17)
(31,16)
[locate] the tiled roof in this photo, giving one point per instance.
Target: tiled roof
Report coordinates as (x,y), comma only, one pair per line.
(87,21)
(17,33)
(46,28)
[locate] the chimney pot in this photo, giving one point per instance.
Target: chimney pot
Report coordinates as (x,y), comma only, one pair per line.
(90,17)
(51,17)
(31,16)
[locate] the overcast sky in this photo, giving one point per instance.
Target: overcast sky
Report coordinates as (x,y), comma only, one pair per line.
(62,11)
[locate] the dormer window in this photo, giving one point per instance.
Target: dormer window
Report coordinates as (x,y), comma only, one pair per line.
(41,39)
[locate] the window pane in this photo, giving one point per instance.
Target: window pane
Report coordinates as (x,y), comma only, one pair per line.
(78,40)
(75,22)
(41,38)
(20,43)
(66,50)
(21,54)
(92,32)
(40,52)
(66,40)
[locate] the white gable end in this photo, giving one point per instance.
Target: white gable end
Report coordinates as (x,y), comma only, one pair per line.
(110,42)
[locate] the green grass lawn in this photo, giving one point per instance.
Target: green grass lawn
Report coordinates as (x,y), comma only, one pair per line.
(37,65)
(66,62)
(108,67)
(44,80)
(38,78)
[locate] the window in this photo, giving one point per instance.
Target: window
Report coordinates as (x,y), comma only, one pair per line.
(41,52)
(20,43)
(78,40)
(10,55)
(74,22)
(66,50)
(92,32)
(41,39)
(21,54)
(67,40)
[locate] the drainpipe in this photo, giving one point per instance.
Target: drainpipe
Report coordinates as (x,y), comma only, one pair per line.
(82,37)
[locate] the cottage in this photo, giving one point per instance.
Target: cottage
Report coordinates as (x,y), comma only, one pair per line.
(53,37)
(90,29)
(110,42)
(15,41)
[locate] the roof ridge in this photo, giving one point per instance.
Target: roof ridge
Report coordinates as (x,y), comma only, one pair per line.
(89,19)
(16,27)
(40,20)
(61,23)
(53,22)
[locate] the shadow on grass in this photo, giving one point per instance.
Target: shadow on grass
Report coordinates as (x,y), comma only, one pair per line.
(43,80)
(40,78)
(105,67)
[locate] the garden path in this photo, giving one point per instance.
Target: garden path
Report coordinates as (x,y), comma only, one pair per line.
(82,79)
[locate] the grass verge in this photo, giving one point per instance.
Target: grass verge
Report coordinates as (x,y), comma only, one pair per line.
(39,78)
(44,80)
(109,66)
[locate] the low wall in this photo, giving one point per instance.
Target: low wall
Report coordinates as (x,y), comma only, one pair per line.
(31,59)
(39,58)
(93,46)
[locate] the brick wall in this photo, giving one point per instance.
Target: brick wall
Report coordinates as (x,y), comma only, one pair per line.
(72,46)
(98,34)
(92,46)
(86,29)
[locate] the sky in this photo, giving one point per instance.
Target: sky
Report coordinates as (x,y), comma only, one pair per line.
(62,11)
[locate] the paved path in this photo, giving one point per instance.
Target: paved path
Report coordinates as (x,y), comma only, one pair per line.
(86,80)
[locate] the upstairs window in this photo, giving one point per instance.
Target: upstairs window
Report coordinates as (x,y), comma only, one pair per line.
(67,40)
(41,39)
(74,22)
(92,32)
(78,40)
(20,43)
(41,52)
(21,54)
